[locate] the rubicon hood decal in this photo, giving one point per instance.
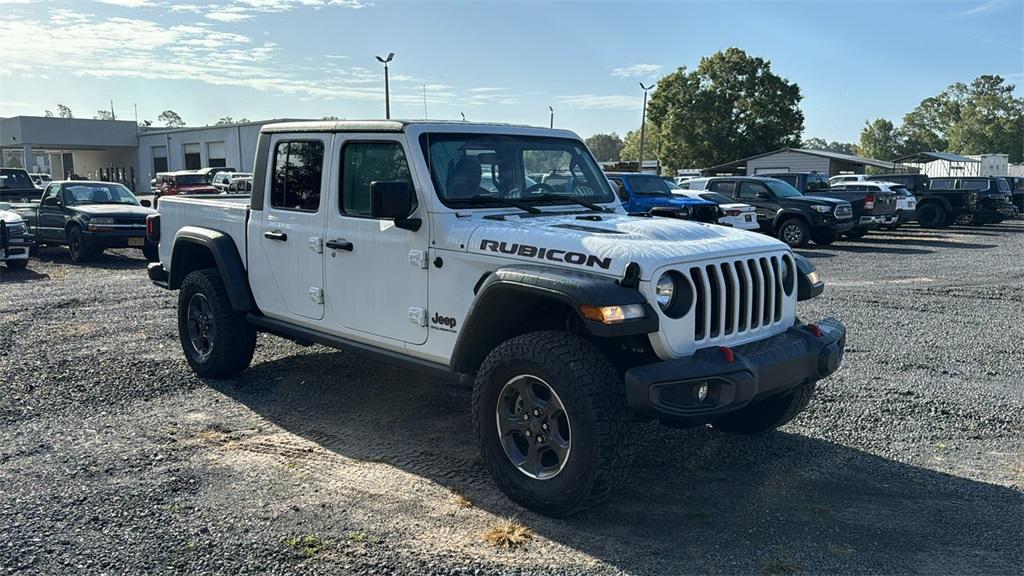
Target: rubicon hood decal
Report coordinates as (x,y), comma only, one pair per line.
(552,254)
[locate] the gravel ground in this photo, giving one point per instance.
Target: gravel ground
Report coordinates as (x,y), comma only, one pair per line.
(116,459)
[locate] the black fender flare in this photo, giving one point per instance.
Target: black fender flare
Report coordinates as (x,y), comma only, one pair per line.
(787,213)
(493,309)
(808,283)
(229,263)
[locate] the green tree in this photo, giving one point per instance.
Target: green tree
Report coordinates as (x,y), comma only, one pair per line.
(48,114)
(631,144)
(225,121)
(834,146)
(64,112)
(606,147)
(171,119)
(731,106)
(103,115)
(880,139)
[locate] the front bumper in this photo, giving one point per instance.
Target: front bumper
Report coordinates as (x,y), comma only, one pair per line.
(17,248)
(668,390)
(836,226)
(118,238)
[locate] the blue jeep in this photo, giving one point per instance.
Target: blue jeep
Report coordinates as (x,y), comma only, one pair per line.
(651,194)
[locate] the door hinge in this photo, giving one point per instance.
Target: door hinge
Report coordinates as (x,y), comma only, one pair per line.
(418,258)
(418,316)
(316,243)
(316,294)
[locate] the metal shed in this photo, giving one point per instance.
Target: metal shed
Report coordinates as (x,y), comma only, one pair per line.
(940,164)
(798,160)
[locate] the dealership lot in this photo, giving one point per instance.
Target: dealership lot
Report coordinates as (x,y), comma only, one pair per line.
(116,458)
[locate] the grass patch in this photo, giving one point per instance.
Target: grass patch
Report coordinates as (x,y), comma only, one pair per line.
(308,545)
(509,534)
(356,536)
(777,567)
(461,501)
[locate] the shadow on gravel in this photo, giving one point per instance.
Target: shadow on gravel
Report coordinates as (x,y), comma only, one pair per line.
(928,243)
(695,502)
(807,254)
(8,276)
(859,248)
(108,260)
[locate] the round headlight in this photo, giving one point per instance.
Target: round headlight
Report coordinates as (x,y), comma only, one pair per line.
(665,290)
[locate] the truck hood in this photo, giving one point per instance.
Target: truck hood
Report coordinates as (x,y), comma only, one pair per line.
(607,243)
(113,210)
(9,216)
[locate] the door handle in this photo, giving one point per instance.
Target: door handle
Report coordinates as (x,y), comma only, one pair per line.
(340,244)
(276,235)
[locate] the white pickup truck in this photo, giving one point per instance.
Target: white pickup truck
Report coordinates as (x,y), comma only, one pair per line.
(438,245)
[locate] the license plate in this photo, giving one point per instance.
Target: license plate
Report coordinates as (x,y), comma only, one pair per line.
(136,241)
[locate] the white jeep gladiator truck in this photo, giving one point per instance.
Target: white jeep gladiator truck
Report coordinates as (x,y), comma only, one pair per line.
(438,245)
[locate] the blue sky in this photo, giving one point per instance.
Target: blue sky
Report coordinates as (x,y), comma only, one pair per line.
(493,61)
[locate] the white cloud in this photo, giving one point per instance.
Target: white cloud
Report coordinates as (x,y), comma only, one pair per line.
(226,16)
(598,102)
(636,71)
(185,8)
(127,3)
(984,8)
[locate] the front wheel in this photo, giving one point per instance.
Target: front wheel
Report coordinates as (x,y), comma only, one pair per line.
(550,418)
(79,248)
(768,414)
(795,233)
(216,339)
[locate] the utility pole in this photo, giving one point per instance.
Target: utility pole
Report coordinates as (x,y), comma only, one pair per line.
(643,126)
(387,89)
(112,117)
(552,117)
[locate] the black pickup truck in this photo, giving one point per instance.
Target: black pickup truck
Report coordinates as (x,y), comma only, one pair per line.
(993,205)
(17,186)
(871,208)
(782,211)
(88,217)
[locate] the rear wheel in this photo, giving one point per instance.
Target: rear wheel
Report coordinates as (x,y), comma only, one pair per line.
(768,414)
(550,419)
(794,232)
(216,339)
(80,248)
(932,216)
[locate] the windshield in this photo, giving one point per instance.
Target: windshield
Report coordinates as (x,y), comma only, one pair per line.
(716,197)
(189,179)
(475,169)
(649,185)
(672,185)
(99,194)
(781,189)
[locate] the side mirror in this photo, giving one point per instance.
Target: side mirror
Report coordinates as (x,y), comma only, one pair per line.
(394,200)
(145,203)
(808,283)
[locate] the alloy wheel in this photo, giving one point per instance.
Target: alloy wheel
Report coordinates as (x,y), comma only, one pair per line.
(201,328)
(533,427)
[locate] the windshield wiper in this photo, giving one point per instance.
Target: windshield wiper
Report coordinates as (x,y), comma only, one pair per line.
(486,199)
(574,200)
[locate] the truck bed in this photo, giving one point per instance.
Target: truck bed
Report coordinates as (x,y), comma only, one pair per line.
(227,214)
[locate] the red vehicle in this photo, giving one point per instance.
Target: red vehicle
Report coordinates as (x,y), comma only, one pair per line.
(185,182)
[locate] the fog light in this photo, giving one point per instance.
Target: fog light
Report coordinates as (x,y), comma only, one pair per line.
(702,392)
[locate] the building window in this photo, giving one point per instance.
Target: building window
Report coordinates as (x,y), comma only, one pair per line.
(298,167)
(193,158)
(215,156)
(159,159)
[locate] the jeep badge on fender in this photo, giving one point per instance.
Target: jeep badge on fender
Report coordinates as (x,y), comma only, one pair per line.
(574,320)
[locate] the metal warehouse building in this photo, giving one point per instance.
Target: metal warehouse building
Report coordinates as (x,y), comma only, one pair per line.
(121,151)
(798,160)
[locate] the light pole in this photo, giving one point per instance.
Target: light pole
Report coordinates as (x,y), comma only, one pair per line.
(552,116)
(387,91)
(643,126)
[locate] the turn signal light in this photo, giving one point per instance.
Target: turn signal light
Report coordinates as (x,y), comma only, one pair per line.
(612,314)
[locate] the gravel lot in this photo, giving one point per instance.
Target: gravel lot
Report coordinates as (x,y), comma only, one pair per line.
(114,458)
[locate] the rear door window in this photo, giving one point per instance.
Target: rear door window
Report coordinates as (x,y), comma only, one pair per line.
(979,184)
(943,184)
(295,183)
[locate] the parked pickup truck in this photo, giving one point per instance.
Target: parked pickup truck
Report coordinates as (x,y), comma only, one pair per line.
(88,217)
(15,241)
(16,186)
(784,212)
(573,319)
(872,207)
(651,194)
(994,197)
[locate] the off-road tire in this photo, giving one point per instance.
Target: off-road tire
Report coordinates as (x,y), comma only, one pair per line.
(16,264)
(824,238)
(768,414)
(932,216)
(234,339)
(79,247)
(856,234)
(794,232)
(151,252)
(591,391)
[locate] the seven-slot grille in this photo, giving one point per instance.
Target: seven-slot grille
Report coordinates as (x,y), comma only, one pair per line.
(736,296)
